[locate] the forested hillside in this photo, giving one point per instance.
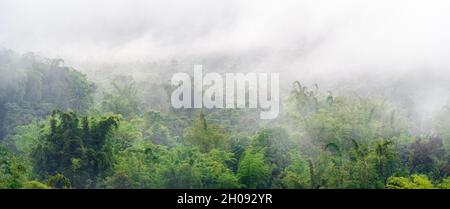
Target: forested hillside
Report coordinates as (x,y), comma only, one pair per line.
(59,129)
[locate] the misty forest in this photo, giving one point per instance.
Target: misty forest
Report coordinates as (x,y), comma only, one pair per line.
(86,94)
(63,128)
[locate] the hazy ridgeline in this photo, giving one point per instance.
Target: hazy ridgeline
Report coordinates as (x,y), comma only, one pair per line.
(365,91)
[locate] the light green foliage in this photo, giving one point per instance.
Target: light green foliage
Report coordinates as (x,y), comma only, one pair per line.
(205,136)
(26,137)
(136,168)
(445,183)
(127,133)
(297,174)
(12,172)
(253,171)
(189,168)
(34,185)
(414,182)
(154,166)
(156,130)
(216,173)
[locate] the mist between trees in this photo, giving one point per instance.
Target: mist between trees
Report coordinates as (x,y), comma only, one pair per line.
(61,128)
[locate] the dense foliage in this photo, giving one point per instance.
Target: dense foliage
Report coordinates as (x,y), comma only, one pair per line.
(54,134)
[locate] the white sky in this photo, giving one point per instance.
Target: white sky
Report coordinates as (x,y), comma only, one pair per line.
(319,33)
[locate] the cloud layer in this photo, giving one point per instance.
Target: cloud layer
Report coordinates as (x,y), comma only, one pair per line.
(318,33)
